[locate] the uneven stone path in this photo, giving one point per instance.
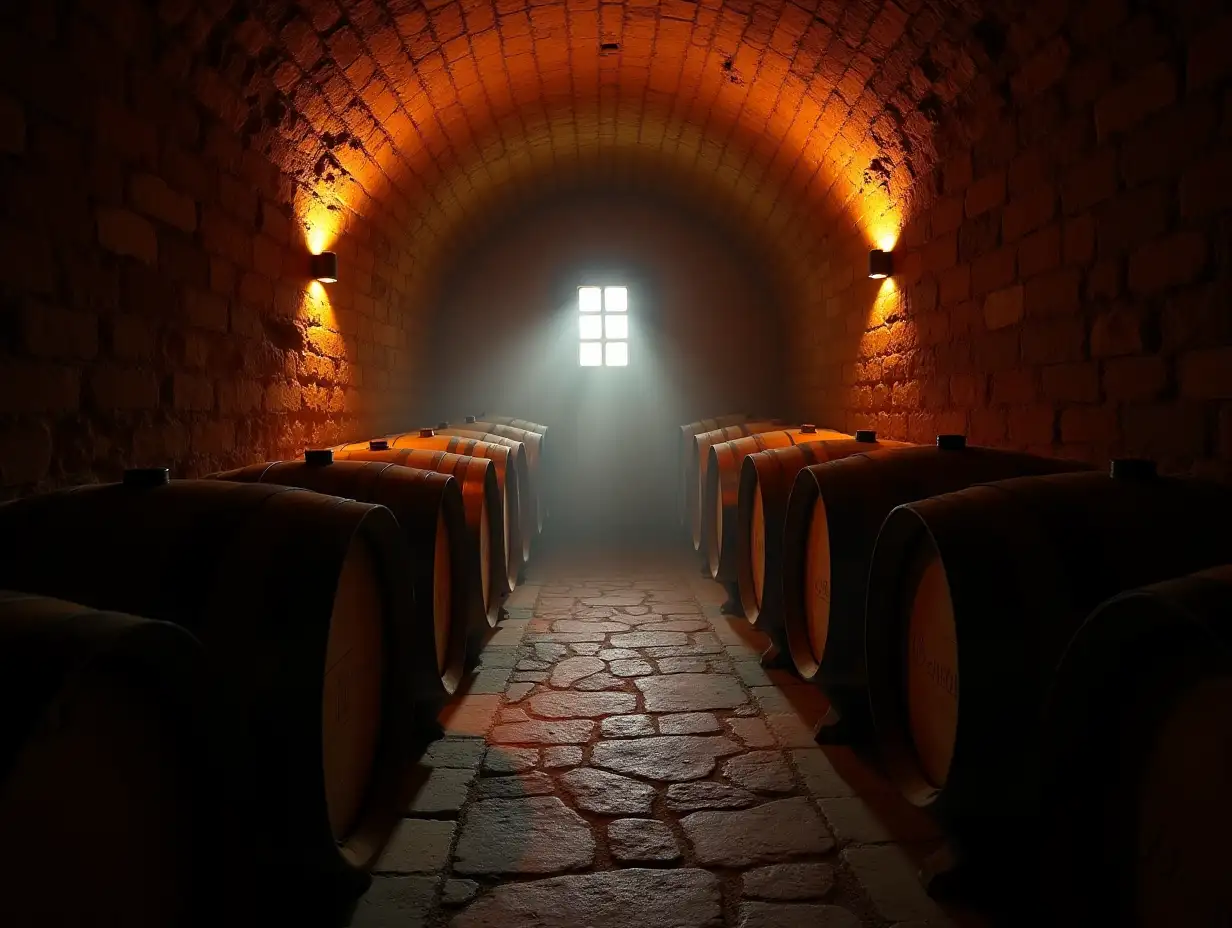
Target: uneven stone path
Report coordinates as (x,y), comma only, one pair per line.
(621,758)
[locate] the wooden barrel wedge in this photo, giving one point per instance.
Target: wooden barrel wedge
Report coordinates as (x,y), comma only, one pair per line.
(684,447)
(699,462)
(532,439)
(508,479)
(481,503)
(829,531)
(102,770)
(1138,758)
(973,598)
(528,496)
(428,507)
(722,489)
(322,689)
(766,480)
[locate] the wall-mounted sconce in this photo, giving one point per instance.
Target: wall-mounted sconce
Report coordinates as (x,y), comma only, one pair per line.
(325,267)
(880,264)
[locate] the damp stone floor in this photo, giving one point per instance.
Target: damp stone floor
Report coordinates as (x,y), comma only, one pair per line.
(620,757)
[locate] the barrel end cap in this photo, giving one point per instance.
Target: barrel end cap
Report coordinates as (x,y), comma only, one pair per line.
(143,478)
(1133,469)
(427,433)
(378,444)
(867,436)
(952,442)
(319,457)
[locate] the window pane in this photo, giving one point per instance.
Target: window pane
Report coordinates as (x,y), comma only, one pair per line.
(591,354)
(590,326)
(615,326)
(617,354)
(588,299)
(616,299)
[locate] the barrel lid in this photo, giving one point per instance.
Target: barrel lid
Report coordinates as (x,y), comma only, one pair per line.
(866,435)
(808,428)
(426,433)
(378,444)
(144,477)
(319,457)
(442,425)
(1133,469)
(951,442)
(470,419)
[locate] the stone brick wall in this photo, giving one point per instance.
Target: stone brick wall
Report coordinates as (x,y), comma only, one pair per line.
(1063,275)
(155,306)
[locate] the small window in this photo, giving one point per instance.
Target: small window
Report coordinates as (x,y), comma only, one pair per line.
(603,326)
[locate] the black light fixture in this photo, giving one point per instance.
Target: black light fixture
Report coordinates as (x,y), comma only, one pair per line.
(325,267)
(880,264)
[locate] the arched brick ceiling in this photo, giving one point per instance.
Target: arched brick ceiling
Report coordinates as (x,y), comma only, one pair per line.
(805,120)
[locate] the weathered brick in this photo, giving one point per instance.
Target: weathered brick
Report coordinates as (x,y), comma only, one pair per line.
(1003,307)
(115,388)
(51,332)
(993,271)
(1135,379)
(1049,341)
(1040,251)
(1119,331)
(151,195)
(1208,54)
(126,233)
(1054,293)
(1205,187)
(1032,425)
(1029,212)
(282,397)
(1079,239)
(38,387)
(132,337)
(986,193)
(27,453)
(1074,382)
(1206,374)
(1090,181)
(1098,425)
(1168,262)
(1014,387)
(1165,430)
(1122,108)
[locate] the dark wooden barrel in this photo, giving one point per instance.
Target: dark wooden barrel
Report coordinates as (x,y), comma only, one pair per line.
(684,449)
(482,502)
(105,804)
(542,430)
(428,507)
(533,441)
(699,462)
(722,490)
(972,599)
(766,480)
(1138,759)
(508,479)
(321,686)
(829,530)
(528,518)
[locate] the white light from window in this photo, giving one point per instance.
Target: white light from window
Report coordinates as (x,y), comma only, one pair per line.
(614,326)
(589,299)
(591,326)
(617,354)
(615,299)
(591,354)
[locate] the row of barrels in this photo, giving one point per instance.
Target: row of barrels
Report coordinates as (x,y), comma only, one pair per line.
(1086,615)
(212,691)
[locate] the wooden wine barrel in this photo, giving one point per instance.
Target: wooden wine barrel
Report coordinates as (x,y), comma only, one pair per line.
(722,489)
(482,502)
(428,507)
(105,804)
(542,430)
(683,450)
(699,461)
(491,431)
(766,479)
(972,599)
(1138,758)
(528,494)
(508,478)
(829,530)
(526,424)
(320,684)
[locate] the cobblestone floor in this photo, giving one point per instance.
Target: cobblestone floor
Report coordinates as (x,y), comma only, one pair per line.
(621,758)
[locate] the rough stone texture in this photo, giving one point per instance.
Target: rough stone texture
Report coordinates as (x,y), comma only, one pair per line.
(396,902)
(559,731)
(760,771)
(649,639)
(535,835)
(454,752)
(558,757)
(599,681)
(667,758)
(683,665)
(788,882)
(519,691)
(417,846)
(589,648)
(627,726)
(458,892)
(640,840)
(753,732)
(689,723)
(637,668)
(617,654)
(820,777)
(512,716)
(686,692)
(888,877)
(511,787)
(573,626)
(608,793)
(691,797)
(680,625)
(581,705)
(685,898)
(852,820)
(444,790)
(768,833)
(779,915)
(470,716)
(489,680)
(572,669)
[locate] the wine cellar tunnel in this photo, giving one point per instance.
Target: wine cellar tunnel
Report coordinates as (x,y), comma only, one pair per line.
(339,231)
